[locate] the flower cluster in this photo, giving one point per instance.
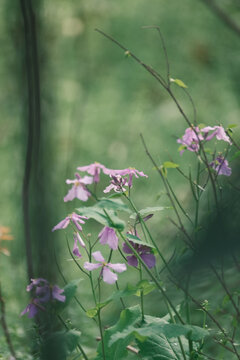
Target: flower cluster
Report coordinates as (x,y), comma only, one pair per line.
(191,141)
(43,293)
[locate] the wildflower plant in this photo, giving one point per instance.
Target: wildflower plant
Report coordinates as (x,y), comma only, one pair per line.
(173,336)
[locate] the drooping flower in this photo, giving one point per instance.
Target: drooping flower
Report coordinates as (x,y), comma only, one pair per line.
(77,240)
(42,293)
(144,251)
(191,139)
(129,171)
(220,165)
(75,218)
(78,189)
(108,236)
(108,276)
(117,184)
(218,131)
(94,170)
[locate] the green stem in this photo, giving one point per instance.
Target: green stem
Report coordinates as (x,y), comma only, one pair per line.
(122,302)
(148,232)
(141,295)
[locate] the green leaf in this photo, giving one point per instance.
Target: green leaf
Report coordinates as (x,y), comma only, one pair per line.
(158,347)
(170,165)
(106,218)
(92,312)
(136,240)
(69,291)
(231,126)
(145,287)
(117,351)
(112,204)
(149,210)
(179,82)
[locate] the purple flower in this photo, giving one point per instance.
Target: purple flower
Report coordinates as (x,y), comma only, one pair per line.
(218,131)
(75,218)
(42,293)
(144,252)
(129,171)
(191,139)
(32,309)
(77,239)
(117,184)
(108,236)
(108,276)
(94,170)
(220,165)
(78,189)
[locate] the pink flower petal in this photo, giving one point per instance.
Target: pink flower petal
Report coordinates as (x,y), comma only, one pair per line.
(108,276)
(118,267)
(90,266)
(98,256)
(62,225)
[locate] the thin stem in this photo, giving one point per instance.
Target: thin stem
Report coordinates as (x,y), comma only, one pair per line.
(5,327)
(75,259)
(152,277)
(141,295)
(121,299)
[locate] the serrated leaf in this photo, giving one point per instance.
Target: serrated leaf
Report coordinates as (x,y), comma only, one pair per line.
(148,210)
(108,218)
(231,126)
(179,82)
(170,165)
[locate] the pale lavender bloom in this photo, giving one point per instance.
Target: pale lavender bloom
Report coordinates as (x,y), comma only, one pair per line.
(220,165)
(75,218)
(117,184)
(143,251)
(108,236)
(218,131)
(108,276)
(78,189)
(191,139)
(129,171)
(77,239)
(42,293)
(94,170)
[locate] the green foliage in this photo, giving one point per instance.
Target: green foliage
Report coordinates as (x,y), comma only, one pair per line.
(155,337)
(136,240)
(112,204)
(106,218)
(148,210)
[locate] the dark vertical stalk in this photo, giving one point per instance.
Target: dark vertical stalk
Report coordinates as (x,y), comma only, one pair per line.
(33,125)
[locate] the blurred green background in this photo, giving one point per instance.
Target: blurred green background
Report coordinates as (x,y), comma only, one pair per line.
(94,104)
